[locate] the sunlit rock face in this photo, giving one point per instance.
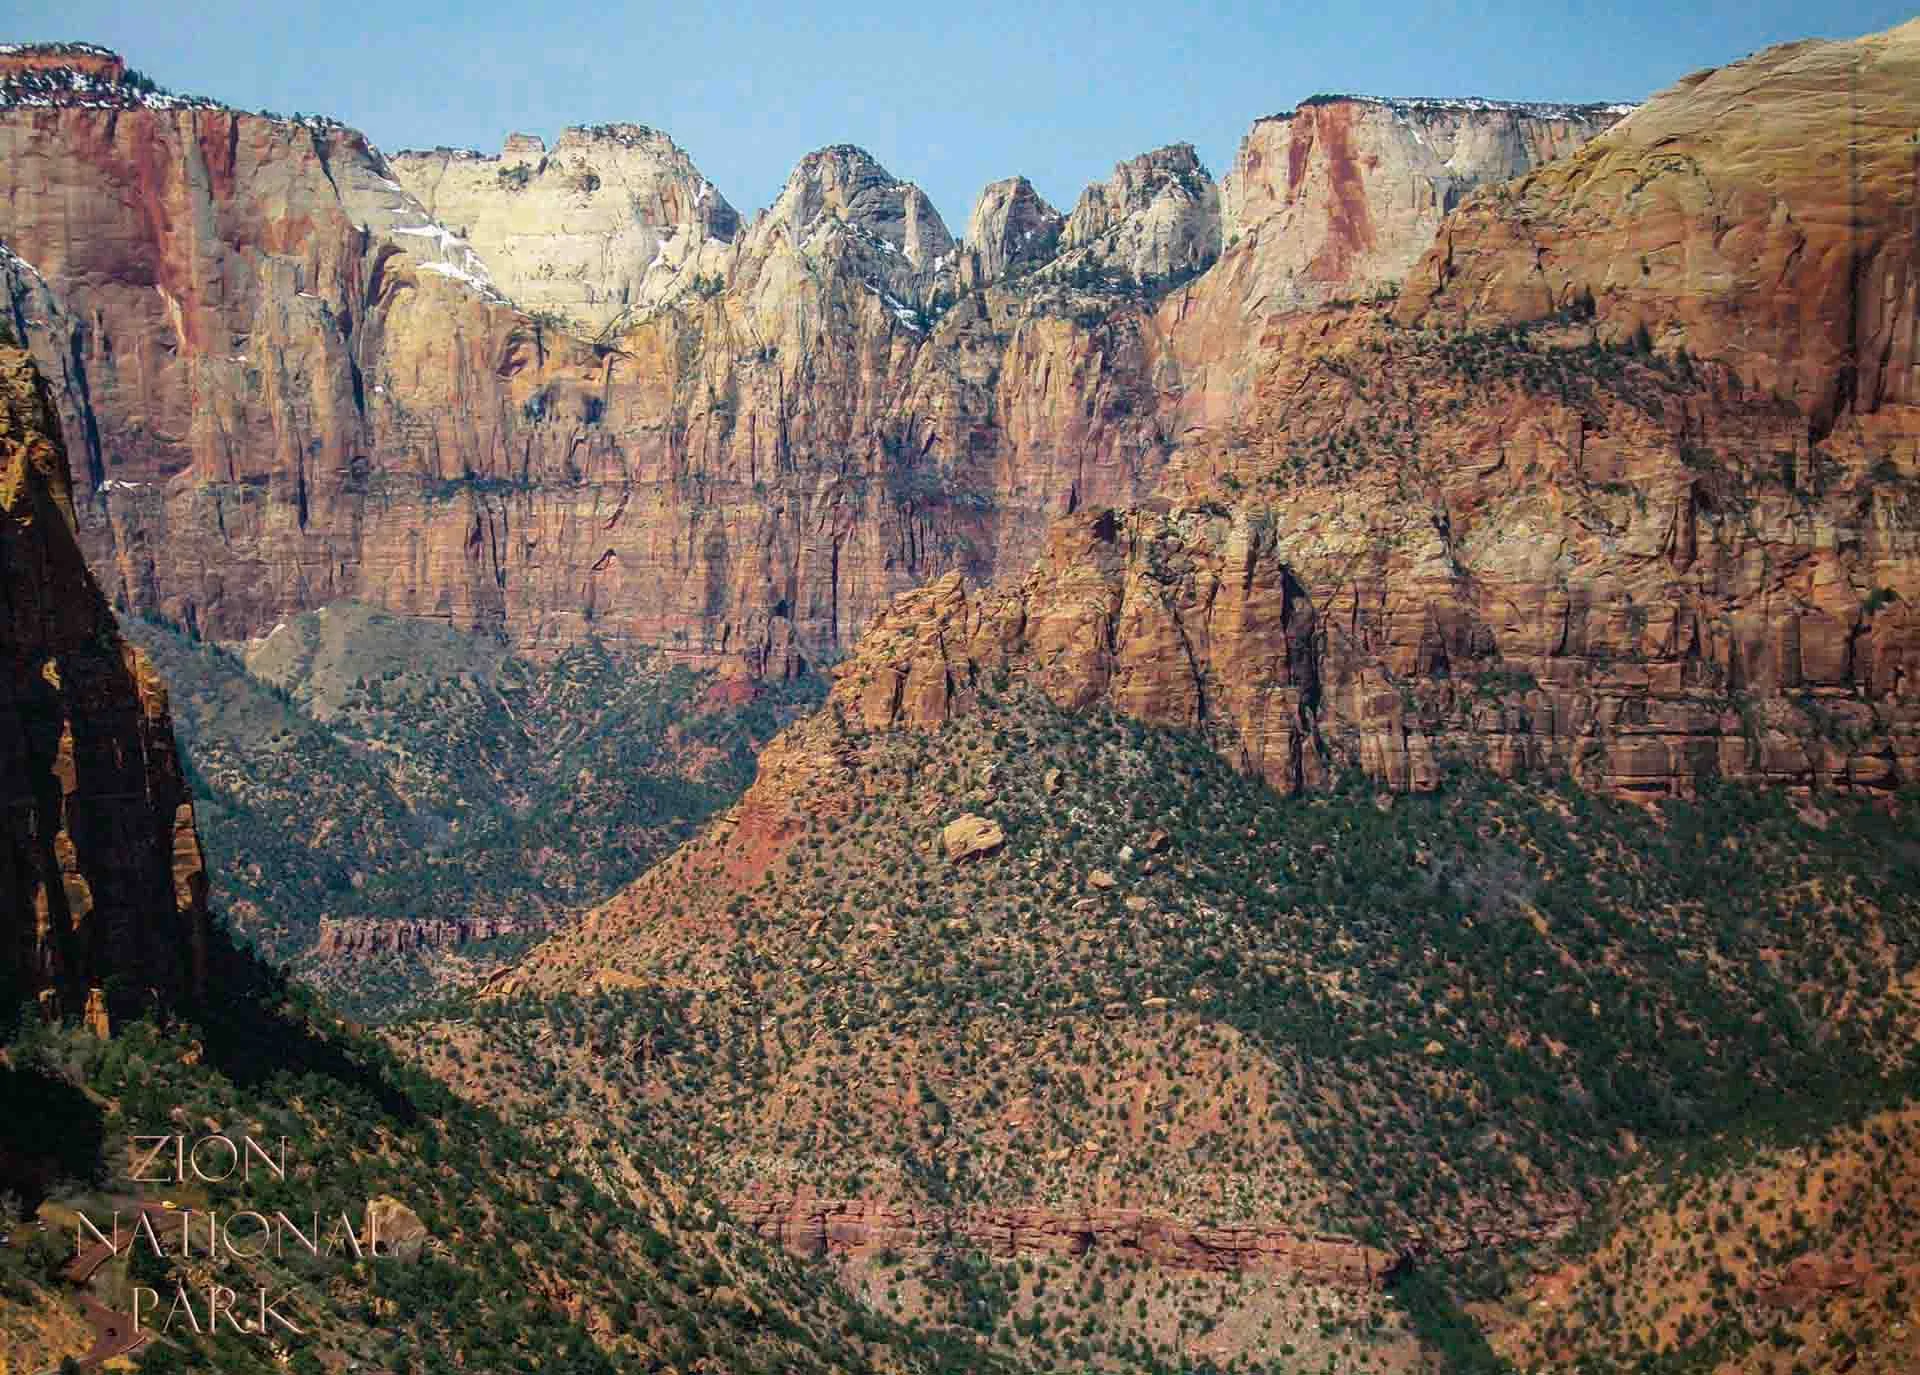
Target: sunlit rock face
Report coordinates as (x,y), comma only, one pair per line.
(328,390)
(589,230)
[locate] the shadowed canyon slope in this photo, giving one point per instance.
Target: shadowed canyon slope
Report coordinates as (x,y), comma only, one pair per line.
(294,380)
(101,879)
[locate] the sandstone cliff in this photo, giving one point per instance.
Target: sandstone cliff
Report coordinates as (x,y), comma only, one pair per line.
(320,393)
(1341,196)
(1518,543)
(583,230)
(1761,212)
(295,382)
(347,937)
(101,880)
(864,1228)
(1011,227)
(1509,550)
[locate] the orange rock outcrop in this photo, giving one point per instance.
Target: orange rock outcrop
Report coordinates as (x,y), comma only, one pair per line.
(863,1228)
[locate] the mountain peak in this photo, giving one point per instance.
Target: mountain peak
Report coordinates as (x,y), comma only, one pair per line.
(845,182)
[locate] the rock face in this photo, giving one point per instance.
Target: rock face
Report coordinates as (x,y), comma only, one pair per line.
(865,1227)
(1344,194)
(355,936)
(320,393)
(102,890)
(395,1231)
(1011,227)
(844,183)
(1157,216)
(1336,539)
(1760,213)
(590,230)
(1567,584)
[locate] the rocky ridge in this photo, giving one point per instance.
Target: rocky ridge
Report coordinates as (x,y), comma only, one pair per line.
(343,937)
(102,880)
(863,1228)
(803,421)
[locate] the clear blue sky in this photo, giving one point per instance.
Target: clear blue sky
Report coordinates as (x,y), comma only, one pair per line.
(951,96)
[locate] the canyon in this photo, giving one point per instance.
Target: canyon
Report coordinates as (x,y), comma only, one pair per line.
(1407,543)
(1289,638)
(1393,345)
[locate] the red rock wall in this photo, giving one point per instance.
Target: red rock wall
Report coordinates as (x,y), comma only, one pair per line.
(864,1228)
(101,879)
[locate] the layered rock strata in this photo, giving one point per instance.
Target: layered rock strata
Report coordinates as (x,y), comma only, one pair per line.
(341,937)
(863,1228)
(296,380)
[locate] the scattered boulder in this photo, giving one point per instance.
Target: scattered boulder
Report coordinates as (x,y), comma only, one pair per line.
(970,836)
(395,1230)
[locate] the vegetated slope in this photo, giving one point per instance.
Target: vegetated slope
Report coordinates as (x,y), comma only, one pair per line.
(1426,1025)
(512,1261)
(521,1263)
(375,789)
(1795,1253)
(1410,540)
